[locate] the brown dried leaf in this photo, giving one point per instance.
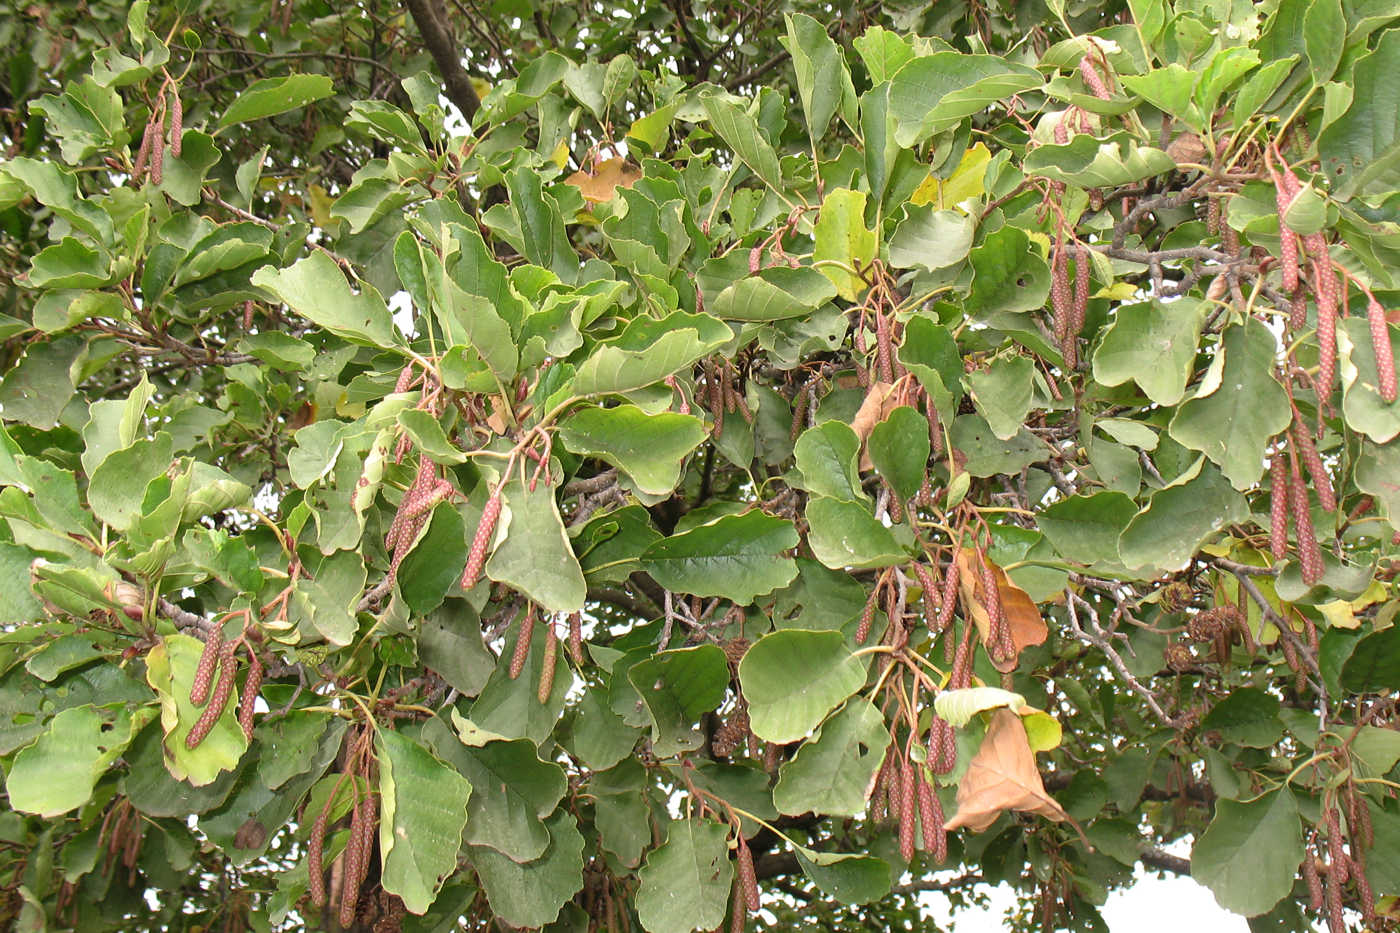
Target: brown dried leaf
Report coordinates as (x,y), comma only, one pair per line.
(1002,776)
(1027,626)
(880,400)
(602,183)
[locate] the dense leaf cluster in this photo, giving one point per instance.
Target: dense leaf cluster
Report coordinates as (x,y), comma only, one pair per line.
(673,466)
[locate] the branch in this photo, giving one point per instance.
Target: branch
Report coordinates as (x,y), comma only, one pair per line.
(616,596)
(1099,639)
(437,36)
(186,621)
(1165,861)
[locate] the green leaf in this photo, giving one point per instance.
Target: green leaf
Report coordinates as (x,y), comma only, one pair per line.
(1002,393)
(678,687)
(613,369)
(899,449)
(847,535)
(422,811)
(511,707)
(648,448)
(59,771)
(931,239)
(1086,529)
(934,93)
(832,769)
(316,289)
(512,791)
(1248,716)
(271,96)
(531,895)
(1233,423)
(842,241)
(738,557)
(1375,663)
(434,566)
(850,879)
(1154,344)
(1009,274)
(794,677)
(740,133)
(827,455)
(1362,406)
(987,456)
(1360,150)
(685,882)
(1178,519)
(823,80)
(536,558)
(69,263)
(775,294)
(170,668)
(1250,853)
(1090,162)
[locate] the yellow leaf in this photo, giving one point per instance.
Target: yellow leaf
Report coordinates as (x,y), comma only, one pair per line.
(319,205)
(560,156)
(1339,615)
(1043,731)
(482,87)
(967,181)
(602,183)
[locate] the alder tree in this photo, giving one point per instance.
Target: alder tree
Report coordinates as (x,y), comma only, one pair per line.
(715,464)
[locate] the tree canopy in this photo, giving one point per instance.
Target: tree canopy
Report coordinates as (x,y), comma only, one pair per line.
(652,466)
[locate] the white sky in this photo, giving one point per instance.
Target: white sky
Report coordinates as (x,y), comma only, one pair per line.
(1152,905)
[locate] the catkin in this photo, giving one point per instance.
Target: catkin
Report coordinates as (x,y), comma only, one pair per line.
(1309,554)
(1092,78)
(1380,341)
(357,852)
(1307,452)
(738,916)
(867,617)
(208,662)
(476,556)
(222,691)
(931,820)
(522,643)
(158,142)
(551,653)
(799,411)
(907,803)
(748,879)
(1081,292)
(316,851)
(1278,506)
(1326,290)
(143,155)
(1313,880)
(177,124)
(250,693)
(930,588)
(884,347)
(576,637)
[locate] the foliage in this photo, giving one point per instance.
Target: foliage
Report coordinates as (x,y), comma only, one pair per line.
(675,465)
